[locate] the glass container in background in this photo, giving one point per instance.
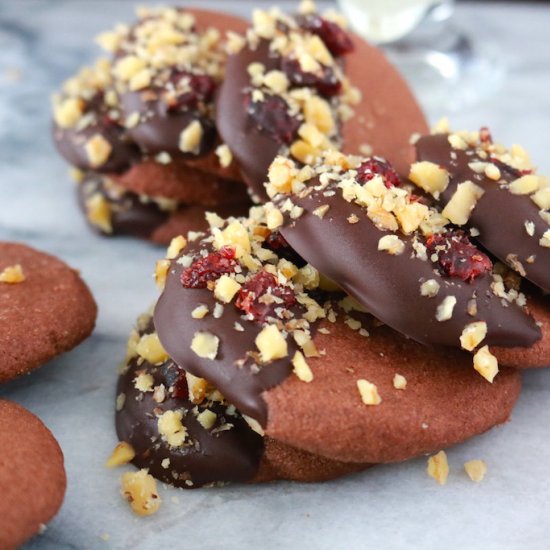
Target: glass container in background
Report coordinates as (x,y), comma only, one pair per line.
(447,69)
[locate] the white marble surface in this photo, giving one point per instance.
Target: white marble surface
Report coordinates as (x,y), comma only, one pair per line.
(388,507)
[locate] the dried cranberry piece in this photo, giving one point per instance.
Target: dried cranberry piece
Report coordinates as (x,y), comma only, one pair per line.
(272,117)
(209,268)
(176,380)
(457,256)
(335,38)
(254,296)
(485,135)
(276,242)
(326,83)
(202,88)
(378,167)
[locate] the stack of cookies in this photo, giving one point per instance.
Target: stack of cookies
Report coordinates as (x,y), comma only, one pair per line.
(373,309)
(139,128)
(144,128)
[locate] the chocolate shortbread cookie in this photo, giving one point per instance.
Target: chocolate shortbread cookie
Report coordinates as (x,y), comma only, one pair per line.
(46,309)
(32,475)
(242,310)
(396,255)
(301,84)
(183,431)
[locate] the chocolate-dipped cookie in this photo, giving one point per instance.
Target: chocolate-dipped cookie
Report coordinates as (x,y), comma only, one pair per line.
(145,118)
(154,99)
(32,475)
(300,84)
(478,181)
(355,220)
(113,210)
(183,431)
(242,310)
(46,309)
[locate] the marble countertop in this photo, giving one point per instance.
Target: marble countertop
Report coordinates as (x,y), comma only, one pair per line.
(41,43)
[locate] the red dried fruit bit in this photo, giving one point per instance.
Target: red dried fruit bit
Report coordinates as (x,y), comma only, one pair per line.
(272,117)
(276,242)
(335,38)
(200,88)
(209,268)
(376,166)
(457,256)
(326,83)
(485,135)
(255,296)
(176,381)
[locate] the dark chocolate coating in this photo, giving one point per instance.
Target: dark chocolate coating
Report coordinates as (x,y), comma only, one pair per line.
(240,384)
(159,129)
(253,149)
(130,215)
(499,215)
(228,455)
(70,144)
(388,286)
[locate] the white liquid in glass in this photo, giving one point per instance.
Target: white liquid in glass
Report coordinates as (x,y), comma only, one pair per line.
(383,21)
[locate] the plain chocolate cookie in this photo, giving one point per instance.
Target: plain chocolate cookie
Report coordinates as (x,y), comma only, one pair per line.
(46,310)
(32,475)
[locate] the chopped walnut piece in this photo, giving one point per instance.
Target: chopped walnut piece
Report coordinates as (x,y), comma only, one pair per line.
(205,345)
(429,288)
(429,176)
(144,382)
(542,198)
(190,138)
(492,172)
(274,218)
(271,343)
(200,312)
(207,419)
(525,185)
(198,388)
(445,309)
(225,288)
(171,428)
(301,369)
(254,424)
(12,274)
(399,382)
(177,244)
(98,150)
(140,490)
(68,112)
(276,81)
(321,211)
(161,272)
(235,236)
(486,363)
(150,348)
(473,334)
(545,239)
(224,155)
(476,470)
(438,467)
(122,454)
(392,244)
(128,66)
(368,392)
(463,201)
(99,212)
